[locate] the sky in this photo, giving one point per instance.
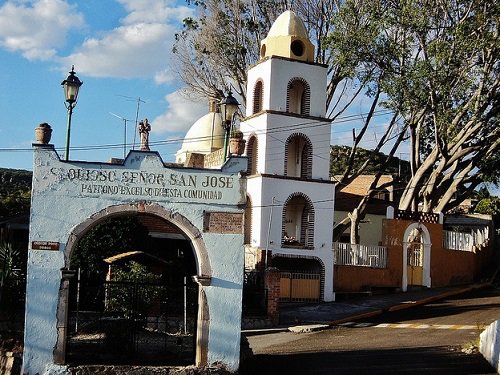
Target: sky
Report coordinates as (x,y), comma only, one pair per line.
(121,51)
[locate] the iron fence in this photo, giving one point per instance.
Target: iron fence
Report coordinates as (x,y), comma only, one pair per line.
(131,322)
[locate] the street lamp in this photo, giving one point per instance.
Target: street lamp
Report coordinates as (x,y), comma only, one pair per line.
(228,107)
(71,87)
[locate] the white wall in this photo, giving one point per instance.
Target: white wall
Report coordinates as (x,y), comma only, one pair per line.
(490,344)
(276,73)
(274,129)
(264,189)
(65,194)
(370,231)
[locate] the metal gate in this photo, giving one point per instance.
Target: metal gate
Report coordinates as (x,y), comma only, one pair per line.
(254,294)
(132,323)
(300,287)
(415,263)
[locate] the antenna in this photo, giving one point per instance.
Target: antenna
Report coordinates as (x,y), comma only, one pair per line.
(139,101)
(124,132)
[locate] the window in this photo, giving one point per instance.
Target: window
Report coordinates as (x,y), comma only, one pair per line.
(298,156)
(252,153)
(257,97)
(383,195)
(297,48)
(298,97)
(298,222)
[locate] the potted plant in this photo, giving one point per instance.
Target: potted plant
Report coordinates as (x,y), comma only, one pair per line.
(236,142)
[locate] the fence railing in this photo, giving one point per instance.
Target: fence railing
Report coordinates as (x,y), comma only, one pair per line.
(457,240)
(465,241)
(254,294)
(359,255)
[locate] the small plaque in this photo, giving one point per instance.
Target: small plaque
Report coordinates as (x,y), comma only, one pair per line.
(223,222)
(45,245)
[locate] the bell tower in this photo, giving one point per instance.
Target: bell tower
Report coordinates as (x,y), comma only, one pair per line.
(290,195)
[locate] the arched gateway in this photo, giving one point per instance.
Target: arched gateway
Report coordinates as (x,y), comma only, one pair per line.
(416,256)
(69,198)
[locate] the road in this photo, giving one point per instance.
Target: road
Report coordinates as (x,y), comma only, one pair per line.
(429,339)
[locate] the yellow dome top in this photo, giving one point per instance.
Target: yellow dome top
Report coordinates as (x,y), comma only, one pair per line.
(288,23)
(288,38)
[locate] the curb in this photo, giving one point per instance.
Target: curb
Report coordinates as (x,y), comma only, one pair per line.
(407,305)
(439,296)
(319,326)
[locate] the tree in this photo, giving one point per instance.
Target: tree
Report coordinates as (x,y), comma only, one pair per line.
(490,206)
(126,300)
(431,64)
(15,203)
(110,237)
(15,192)
(437,66)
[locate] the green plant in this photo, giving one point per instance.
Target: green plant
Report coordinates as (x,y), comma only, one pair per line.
(236,133)
(132,288)
(11,275)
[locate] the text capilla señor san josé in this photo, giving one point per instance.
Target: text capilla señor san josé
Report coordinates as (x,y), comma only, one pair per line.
(150,184)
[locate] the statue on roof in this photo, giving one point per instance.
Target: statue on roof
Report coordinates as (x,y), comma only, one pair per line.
(144,129)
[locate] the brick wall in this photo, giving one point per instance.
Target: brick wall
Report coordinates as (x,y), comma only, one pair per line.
(272,281)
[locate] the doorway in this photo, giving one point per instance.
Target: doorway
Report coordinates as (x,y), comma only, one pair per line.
(132,299)
(416,257)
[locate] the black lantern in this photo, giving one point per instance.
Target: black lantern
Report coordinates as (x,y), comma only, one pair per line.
(228,107)
(71,86)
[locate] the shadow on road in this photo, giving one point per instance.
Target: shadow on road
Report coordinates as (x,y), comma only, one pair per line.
(414,361)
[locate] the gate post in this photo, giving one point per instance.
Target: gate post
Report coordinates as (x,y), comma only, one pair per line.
(272,285)
(62,317)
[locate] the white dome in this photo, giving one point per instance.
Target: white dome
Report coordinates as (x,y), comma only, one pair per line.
(205,135)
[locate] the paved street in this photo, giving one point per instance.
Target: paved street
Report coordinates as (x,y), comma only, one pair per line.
(423,340)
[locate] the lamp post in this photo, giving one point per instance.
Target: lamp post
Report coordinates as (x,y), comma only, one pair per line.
(71,87)
(228,107)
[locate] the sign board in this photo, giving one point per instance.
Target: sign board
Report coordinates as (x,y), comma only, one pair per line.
(223,222)
(214,159)
(45,245)
(161,184)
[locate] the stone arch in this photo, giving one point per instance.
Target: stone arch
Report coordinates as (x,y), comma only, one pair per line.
(426,241)
(203,277)
(298,156)
(298,98)
(304,237)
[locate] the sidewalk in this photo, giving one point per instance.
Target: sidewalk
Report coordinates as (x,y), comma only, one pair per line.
(310,317)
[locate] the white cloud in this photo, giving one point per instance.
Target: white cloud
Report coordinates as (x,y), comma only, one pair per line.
(37,28)
(133,51)
(180,115)
(165,76)
(153,11)
(139,48)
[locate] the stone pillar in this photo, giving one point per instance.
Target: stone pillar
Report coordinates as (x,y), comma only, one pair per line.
(62,317)
(272,285)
